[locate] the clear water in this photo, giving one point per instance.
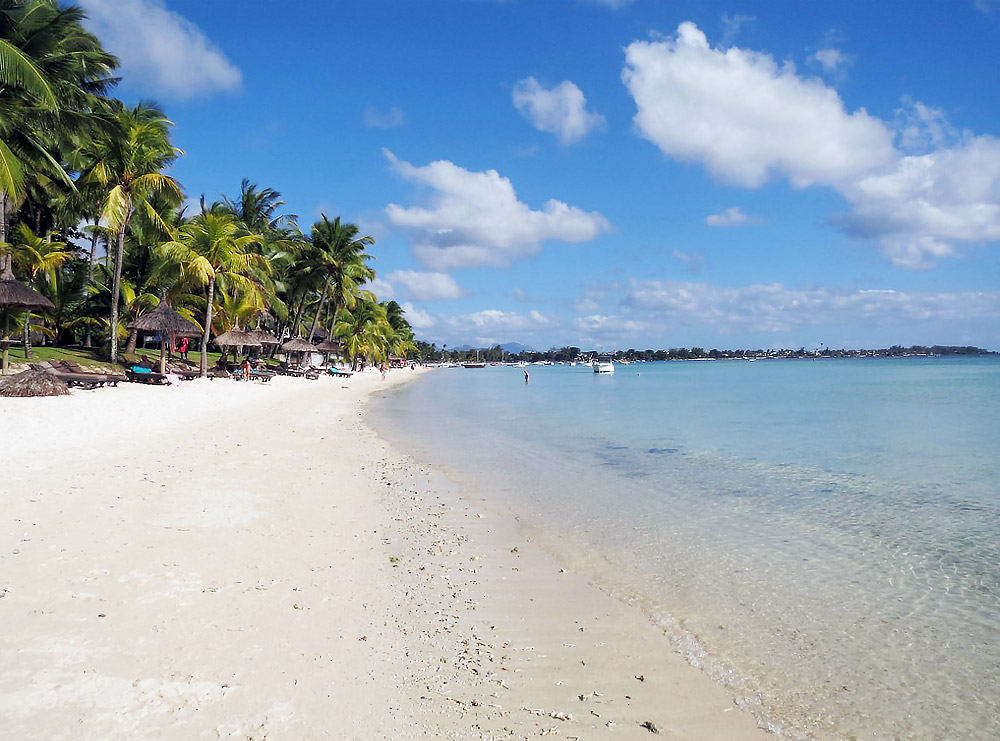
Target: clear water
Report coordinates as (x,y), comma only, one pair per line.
(824,536)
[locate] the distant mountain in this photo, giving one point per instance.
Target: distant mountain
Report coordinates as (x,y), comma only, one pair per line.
(516,347)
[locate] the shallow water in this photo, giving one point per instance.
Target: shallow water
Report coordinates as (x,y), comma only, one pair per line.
(824,536)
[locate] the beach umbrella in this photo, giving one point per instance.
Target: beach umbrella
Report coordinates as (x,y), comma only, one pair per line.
(330,346)
(15,295)
(33,383)
(264,337)
(236,337)
(167,322)
(298,345)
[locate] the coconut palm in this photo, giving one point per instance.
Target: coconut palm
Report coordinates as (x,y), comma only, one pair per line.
(338,255)
(364,330)
(213,247)
(128,164)
(53,75)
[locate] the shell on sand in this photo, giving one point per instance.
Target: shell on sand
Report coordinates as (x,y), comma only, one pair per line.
(33,383)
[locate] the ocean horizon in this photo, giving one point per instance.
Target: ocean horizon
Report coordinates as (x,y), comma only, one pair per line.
(819,535)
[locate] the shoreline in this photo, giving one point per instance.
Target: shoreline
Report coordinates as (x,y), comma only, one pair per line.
(182,574)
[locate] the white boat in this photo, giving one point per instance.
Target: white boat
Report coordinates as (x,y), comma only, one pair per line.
(604,366)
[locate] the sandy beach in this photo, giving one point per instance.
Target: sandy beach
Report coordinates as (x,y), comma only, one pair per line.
(229,560)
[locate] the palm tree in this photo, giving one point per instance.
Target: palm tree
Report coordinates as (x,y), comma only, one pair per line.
(339,256)
(53,75)
(128,165)
(401,342)
(40,259)
(214,247)
(364,330)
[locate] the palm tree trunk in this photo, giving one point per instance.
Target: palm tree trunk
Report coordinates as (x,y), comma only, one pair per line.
(116,285)
(293,327)
(319,308)
(88,339)
(208,327)
(5,260)
(27,335)
(133,340)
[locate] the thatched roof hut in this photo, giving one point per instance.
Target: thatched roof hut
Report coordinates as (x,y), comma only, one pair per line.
(297,344)
(165,320)
(15,295)
(264,337)
(33,383)
(237,336)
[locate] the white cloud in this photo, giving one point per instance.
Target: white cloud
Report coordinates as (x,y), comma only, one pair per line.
(391,119)
(418,318)
(561,111)
(773,308)
(922,128)
(474,219)
(383,289)
(924,205)
(829,59)
(425,286)
(745,117)
(732,216)
(160,49)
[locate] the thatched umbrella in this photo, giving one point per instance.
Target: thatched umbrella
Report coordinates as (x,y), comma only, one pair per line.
(264,337)
(327,347)
(15,295)
(237,337)
(298,345)
(33,383)
(166,321)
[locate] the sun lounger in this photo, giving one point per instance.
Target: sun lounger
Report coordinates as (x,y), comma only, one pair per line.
(339,373)
(110,378)
(141,374)
(79,380)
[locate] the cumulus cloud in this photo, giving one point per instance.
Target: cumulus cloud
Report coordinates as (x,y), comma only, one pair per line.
(425,286)
(474,219)
(418,318)
(160,49)
(745,117)
(776,308)
(732,216)
(920,208)
(561,110)
(391,119)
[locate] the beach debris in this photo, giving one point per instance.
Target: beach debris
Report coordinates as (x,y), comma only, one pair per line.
(649,726)
(640,677)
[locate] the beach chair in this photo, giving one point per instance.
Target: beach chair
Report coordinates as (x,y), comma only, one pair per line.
(112,379)
(142,374)
(79,380)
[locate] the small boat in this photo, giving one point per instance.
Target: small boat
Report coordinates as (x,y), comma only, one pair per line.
(604,366)
(473,365)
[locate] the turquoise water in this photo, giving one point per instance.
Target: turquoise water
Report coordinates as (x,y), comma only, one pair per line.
(822,535)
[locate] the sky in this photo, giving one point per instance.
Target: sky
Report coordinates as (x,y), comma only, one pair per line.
(610,174)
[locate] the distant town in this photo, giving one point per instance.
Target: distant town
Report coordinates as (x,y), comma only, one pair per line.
(514,352)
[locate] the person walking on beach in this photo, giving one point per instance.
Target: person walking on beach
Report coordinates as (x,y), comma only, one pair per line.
(245,366)
(182,347)
(382,368)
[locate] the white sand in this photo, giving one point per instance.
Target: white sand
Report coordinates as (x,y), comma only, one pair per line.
(229,560)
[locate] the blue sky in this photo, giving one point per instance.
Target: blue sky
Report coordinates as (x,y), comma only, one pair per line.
(610,173)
